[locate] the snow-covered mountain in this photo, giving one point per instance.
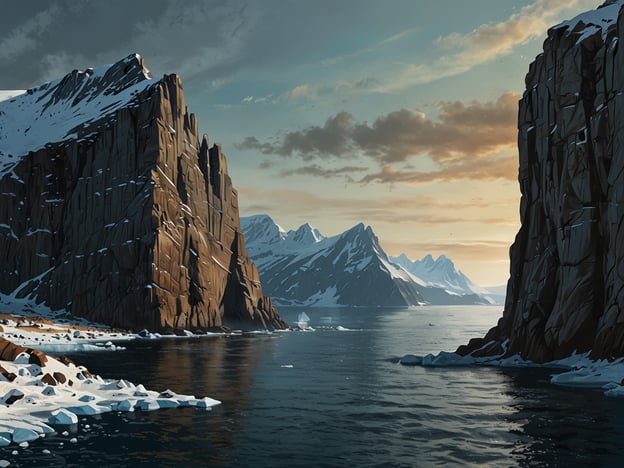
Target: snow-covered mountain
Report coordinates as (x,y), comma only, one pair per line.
(440,273)
(302,267)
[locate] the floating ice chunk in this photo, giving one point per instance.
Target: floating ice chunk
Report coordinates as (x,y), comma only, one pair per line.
(167,394)
(166,403)
(124,405)
(597,374)
(411,360)
(205,402)
(87,409)
(147,405)
(22,434)
(140,391)
(62,417)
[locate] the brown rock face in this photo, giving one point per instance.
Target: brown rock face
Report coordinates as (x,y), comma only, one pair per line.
(9,351)
(566,290)
(134,221)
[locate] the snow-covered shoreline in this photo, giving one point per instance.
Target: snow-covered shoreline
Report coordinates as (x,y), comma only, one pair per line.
(577,370)
(40,394)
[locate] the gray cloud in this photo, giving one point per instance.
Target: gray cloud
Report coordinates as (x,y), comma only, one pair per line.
(464,142)
(332,139)
(346,172)
(190,37)
(202,40)
(462,130)
(26,36)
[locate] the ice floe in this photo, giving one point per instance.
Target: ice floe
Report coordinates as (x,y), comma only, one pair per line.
(577,370)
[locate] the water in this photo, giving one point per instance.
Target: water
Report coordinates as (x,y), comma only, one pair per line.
(339,398)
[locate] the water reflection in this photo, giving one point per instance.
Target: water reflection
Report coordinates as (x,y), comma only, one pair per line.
(562,426)
(222,368)
(338,398)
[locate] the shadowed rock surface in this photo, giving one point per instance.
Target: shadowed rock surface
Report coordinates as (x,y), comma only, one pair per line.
(566,290)
(128,218)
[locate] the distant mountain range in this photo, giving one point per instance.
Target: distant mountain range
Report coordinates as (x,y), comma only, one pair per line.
(304,268)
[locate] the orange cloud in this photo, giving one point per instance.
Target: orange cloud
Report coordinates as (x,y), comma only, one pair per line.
(487,42)
(465,142)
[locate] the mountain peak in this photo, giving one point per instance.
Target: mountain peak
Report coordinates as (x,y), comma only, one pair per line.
(350,268)
(69,108)
(261,229)
(305,235)
(439,272)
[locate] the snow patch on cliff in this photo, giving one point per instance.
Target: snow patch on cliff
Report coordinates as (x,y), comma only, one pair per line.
(48,114)
(593,21)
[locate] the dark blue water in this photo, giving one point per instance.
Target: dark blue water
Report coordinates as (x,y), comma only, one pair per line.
(338,398)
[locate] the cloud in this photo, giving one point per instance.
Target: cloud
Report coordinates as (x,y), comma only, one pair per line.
(299,92)
(25,37)
(196,39)
(465,142)
(484,44)
(389,40)
(485,168)
(247,99)
(332,139)
(346,172)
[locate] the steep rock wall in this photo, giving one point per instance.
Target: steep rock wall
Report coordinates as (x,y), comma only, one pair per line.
(133,221)
(566,290)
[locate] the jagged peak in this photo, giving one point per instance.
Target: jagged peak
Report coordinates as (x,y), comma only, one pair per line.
(262,228)
(258,218)
(357,231)
(306,234)
(63,109)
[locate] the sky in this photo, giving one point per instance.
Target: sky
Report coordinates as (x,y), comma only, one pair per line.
(400,114)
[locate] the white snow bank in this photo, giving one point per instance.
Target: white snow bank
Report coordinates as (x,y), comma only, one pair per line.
(578,370)
(10,93)
(34,398)
(594,20)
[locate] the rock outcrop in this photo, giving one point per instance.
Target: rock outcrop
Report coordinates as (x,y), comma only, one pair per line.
(113,208)
(566,290)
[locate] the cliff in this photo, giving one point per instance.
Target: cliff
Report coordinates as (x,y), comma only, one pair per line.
(112,208)
(566,289)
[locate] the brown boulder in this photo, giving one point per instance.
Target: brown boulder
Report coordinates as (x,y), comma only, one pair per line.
(48,379)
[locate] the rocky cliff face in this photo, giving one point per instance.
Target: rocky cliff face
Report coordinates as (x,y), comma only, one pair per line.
(566,290)
(112,208)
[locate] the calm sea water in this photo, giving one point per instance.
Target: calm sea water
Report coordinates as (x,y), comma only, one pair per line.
(339,398)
